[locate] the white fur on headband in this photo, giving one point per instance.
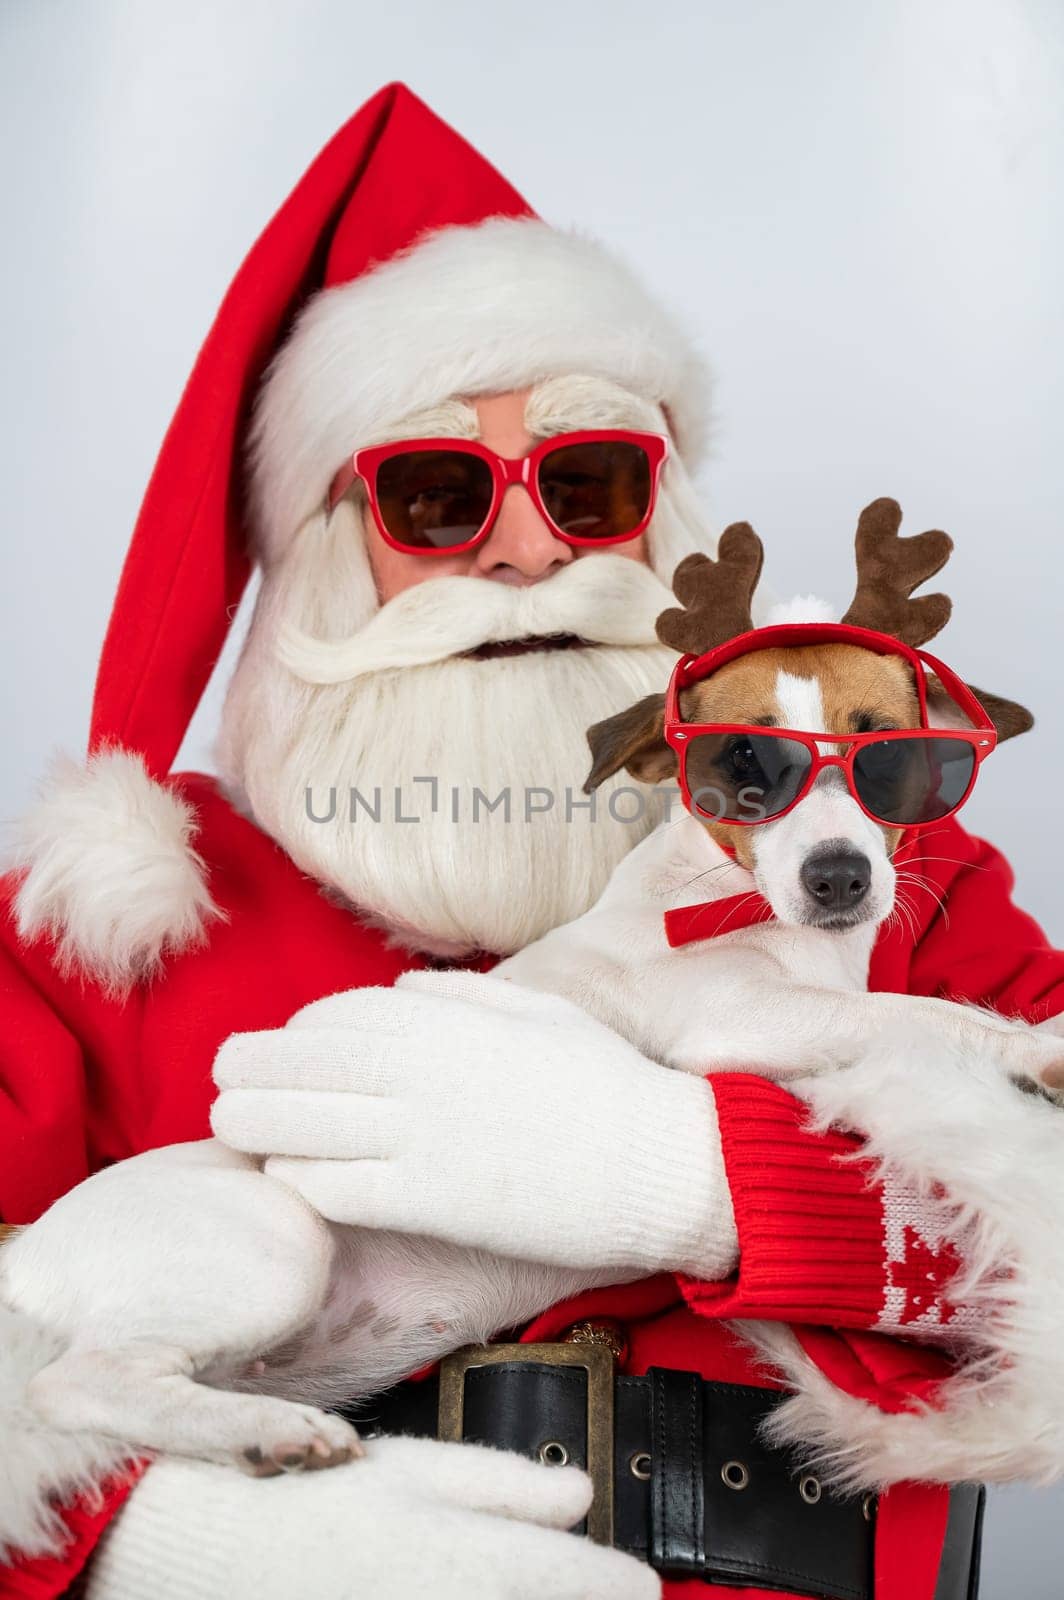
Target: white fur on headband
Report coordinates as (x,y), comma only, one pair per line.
(109,870)
(800,608)
(469,310)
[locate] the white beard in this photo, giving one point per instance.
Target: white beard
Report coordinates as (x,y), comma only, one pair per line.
(450,882)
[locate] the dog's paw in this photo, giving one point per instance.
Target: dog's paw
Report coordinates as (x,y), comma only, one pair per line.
(1051,1080)
(1042,1065)
(294,1438)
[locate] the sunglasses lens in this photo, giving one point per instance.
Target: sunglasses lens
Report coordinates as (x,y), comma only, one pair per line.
(745,777)
(907,781)
(433,499)
(598,490)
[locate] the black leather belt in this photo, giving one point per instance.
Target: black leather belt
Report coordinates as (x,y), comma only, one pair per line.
(682,1478)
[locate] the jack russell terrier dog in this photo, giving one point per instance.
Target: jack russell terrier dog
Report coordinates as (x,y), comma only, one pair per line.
(188,1303)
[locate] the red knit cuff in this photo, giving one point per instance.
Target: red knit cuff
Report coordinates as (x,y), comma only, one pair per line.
(48,1577)
(810,1223)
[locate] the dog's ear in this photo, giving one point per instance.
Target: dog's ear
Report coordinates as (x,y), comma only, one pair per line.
(634,739)
(1008,717)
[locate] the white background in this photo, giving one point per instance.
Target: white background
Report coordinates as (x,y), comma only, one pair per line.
(855,206)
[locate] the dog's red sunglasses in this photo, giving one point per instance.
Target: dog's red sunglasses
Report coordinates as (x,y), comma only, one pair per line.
(440,497)
(747,773)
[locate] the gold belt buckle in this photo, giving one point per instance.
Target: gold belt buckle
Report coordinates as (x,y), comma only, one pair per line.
(597,1362)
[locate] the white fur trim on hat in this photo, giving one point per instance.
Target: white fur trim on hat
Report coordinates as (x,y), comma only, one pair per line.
(469,310)
(109,870)
(986,1159)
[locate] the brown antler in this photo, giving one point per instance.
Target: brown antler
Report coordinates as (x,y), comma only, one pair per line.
(715,595)
(889,568)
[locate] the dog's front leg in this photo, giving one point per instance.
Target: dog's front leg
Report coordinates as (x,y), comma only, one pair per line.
(752,1022)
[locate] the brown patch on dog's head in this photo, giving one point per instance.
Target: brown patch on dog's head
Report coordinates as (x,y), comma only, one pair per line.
(857,687)
(861,692)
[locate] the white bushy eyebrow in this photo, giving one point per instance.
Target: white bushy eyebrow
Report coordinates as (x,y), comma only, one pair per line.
(451,419)
(575,402)
(557,405)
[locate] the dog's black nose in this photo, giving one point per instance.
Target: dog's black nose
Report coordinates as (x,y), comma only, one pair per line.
(838,879)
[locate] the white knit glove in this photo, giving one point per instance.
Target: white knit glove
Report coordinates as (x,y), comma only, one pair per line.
(415,1518)
(463,1107)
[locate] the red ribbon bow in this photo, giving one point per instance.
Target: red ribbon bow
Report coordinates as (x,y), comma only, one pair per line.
(689,924)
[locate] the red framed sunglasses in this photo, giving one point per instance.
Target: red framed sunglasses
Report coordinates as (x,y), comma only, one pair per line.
(440,497)
(745,773)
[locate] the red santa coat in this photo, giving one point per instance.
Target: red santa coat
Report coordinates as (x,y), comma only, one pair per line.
(86,1080)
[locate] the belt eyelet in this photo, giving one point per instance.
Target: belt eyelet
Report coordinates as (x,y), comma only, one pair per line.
(809,1488)
(639,1465)
(553,1453)
(735,1474)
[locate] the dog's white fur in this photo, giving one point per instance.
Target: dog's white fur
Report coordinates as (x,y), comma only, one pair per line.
(232,1312)
(787,996)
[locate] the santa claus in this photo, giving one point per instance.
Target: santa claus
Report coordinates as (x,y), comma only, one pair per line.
(456,443)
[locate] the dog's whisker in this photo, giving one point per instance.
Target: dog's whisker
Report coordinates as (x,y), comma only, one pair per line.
(932,833)
(709,871)
(938,898)
(740,902)
(907,915)
(956,861)
(925,887)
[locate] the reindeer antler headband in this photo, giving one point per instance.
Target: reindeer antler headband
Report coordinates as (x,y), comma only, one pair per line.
(715,624)
(889,568)
(716,595)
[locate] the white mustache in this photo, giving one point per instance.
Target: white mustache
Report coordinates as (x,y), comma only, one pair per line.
(604,599)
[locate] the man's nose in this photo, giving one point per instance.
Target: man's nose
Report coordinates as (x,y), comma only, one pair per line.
(521,547)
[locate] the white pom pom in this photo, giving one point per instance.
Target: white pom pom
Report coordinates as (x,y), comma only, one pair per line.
(800,608)
(109,870)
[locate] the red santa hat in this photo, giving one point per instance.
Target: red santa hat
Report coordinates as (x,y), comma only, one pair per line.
(411,271)
(402,269)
